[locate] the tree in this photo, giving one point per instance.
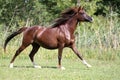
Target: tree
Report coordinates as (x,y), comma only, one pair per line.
(105,7)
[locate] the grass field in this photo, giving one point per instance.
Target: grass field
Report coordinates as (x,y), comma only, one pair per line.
(75,70)
(101,70)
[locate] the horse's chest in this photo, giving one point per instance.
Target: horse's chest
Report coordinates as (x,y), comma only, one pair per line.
(69,40)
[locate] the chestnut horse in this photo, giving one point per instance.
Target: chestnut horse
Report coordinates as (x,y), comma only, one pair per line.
(58,36)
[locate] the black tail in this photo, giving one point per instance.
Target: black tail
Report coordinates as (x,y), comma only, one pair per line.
(13,35)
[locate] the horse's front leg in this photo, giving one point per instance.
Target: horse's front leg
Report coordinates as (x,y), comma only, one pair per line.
(60,50)
(73,47)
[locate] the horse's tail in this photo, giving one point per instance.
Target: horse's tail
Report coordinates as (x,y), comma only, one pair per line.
(13,35)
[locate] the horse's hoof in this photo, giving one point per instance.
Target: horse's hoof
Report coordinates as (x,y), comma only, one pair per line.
(62,68)
(11,65)
(89,66)
(37,67)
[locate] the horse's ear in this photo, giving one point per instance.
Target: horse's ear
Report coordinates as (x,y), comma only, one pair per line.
(80,8)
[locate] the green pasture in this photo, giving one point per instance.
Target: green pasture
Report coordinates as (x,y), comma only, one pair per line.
(103,68)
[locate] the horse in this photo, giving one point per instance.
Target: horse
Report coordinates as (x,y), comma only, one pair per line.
(57,36)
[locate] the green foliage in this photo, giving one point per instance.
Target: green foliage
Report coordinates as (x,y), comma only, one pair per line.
(105,7)
(21,12)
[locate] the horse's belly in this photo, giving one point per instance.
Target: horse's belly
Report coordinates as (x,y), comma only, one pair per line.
(49,47)
(48,44)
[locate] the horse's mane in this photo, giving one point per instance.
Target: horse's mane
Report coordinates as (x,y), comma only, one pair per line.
(65,16)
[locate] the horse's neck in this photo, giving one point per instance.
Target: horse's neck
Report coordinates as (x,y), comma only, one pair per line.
(72,24)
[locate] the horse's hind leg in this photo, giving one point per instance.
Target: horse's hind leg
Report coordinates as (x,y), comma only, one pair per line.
(22,47)
(32,54)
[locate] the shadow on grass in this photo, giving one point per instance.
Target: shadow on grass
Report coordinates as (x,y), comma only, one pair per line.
(52,67)
(44,67)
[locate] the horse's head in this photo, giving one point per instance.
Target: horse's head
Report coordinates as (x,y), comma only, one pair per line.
(76,12)
(82,16)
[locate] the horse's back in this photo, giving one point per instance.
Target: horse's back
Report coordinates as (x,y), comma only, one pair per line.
(30,33)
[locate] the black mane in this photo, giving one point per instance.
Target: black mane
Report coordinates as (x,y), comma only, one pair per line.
(65,16)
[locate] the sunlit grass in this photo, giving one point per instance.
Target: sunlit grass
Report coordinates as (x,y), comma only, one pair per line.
(75,70)
(103,68)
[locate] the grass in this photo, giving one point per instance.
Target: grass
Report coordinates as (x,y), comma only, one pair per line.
(102,69)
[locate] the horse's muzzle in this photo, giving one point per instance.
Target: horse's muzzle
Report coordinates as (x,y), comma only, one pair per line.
(89,19)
